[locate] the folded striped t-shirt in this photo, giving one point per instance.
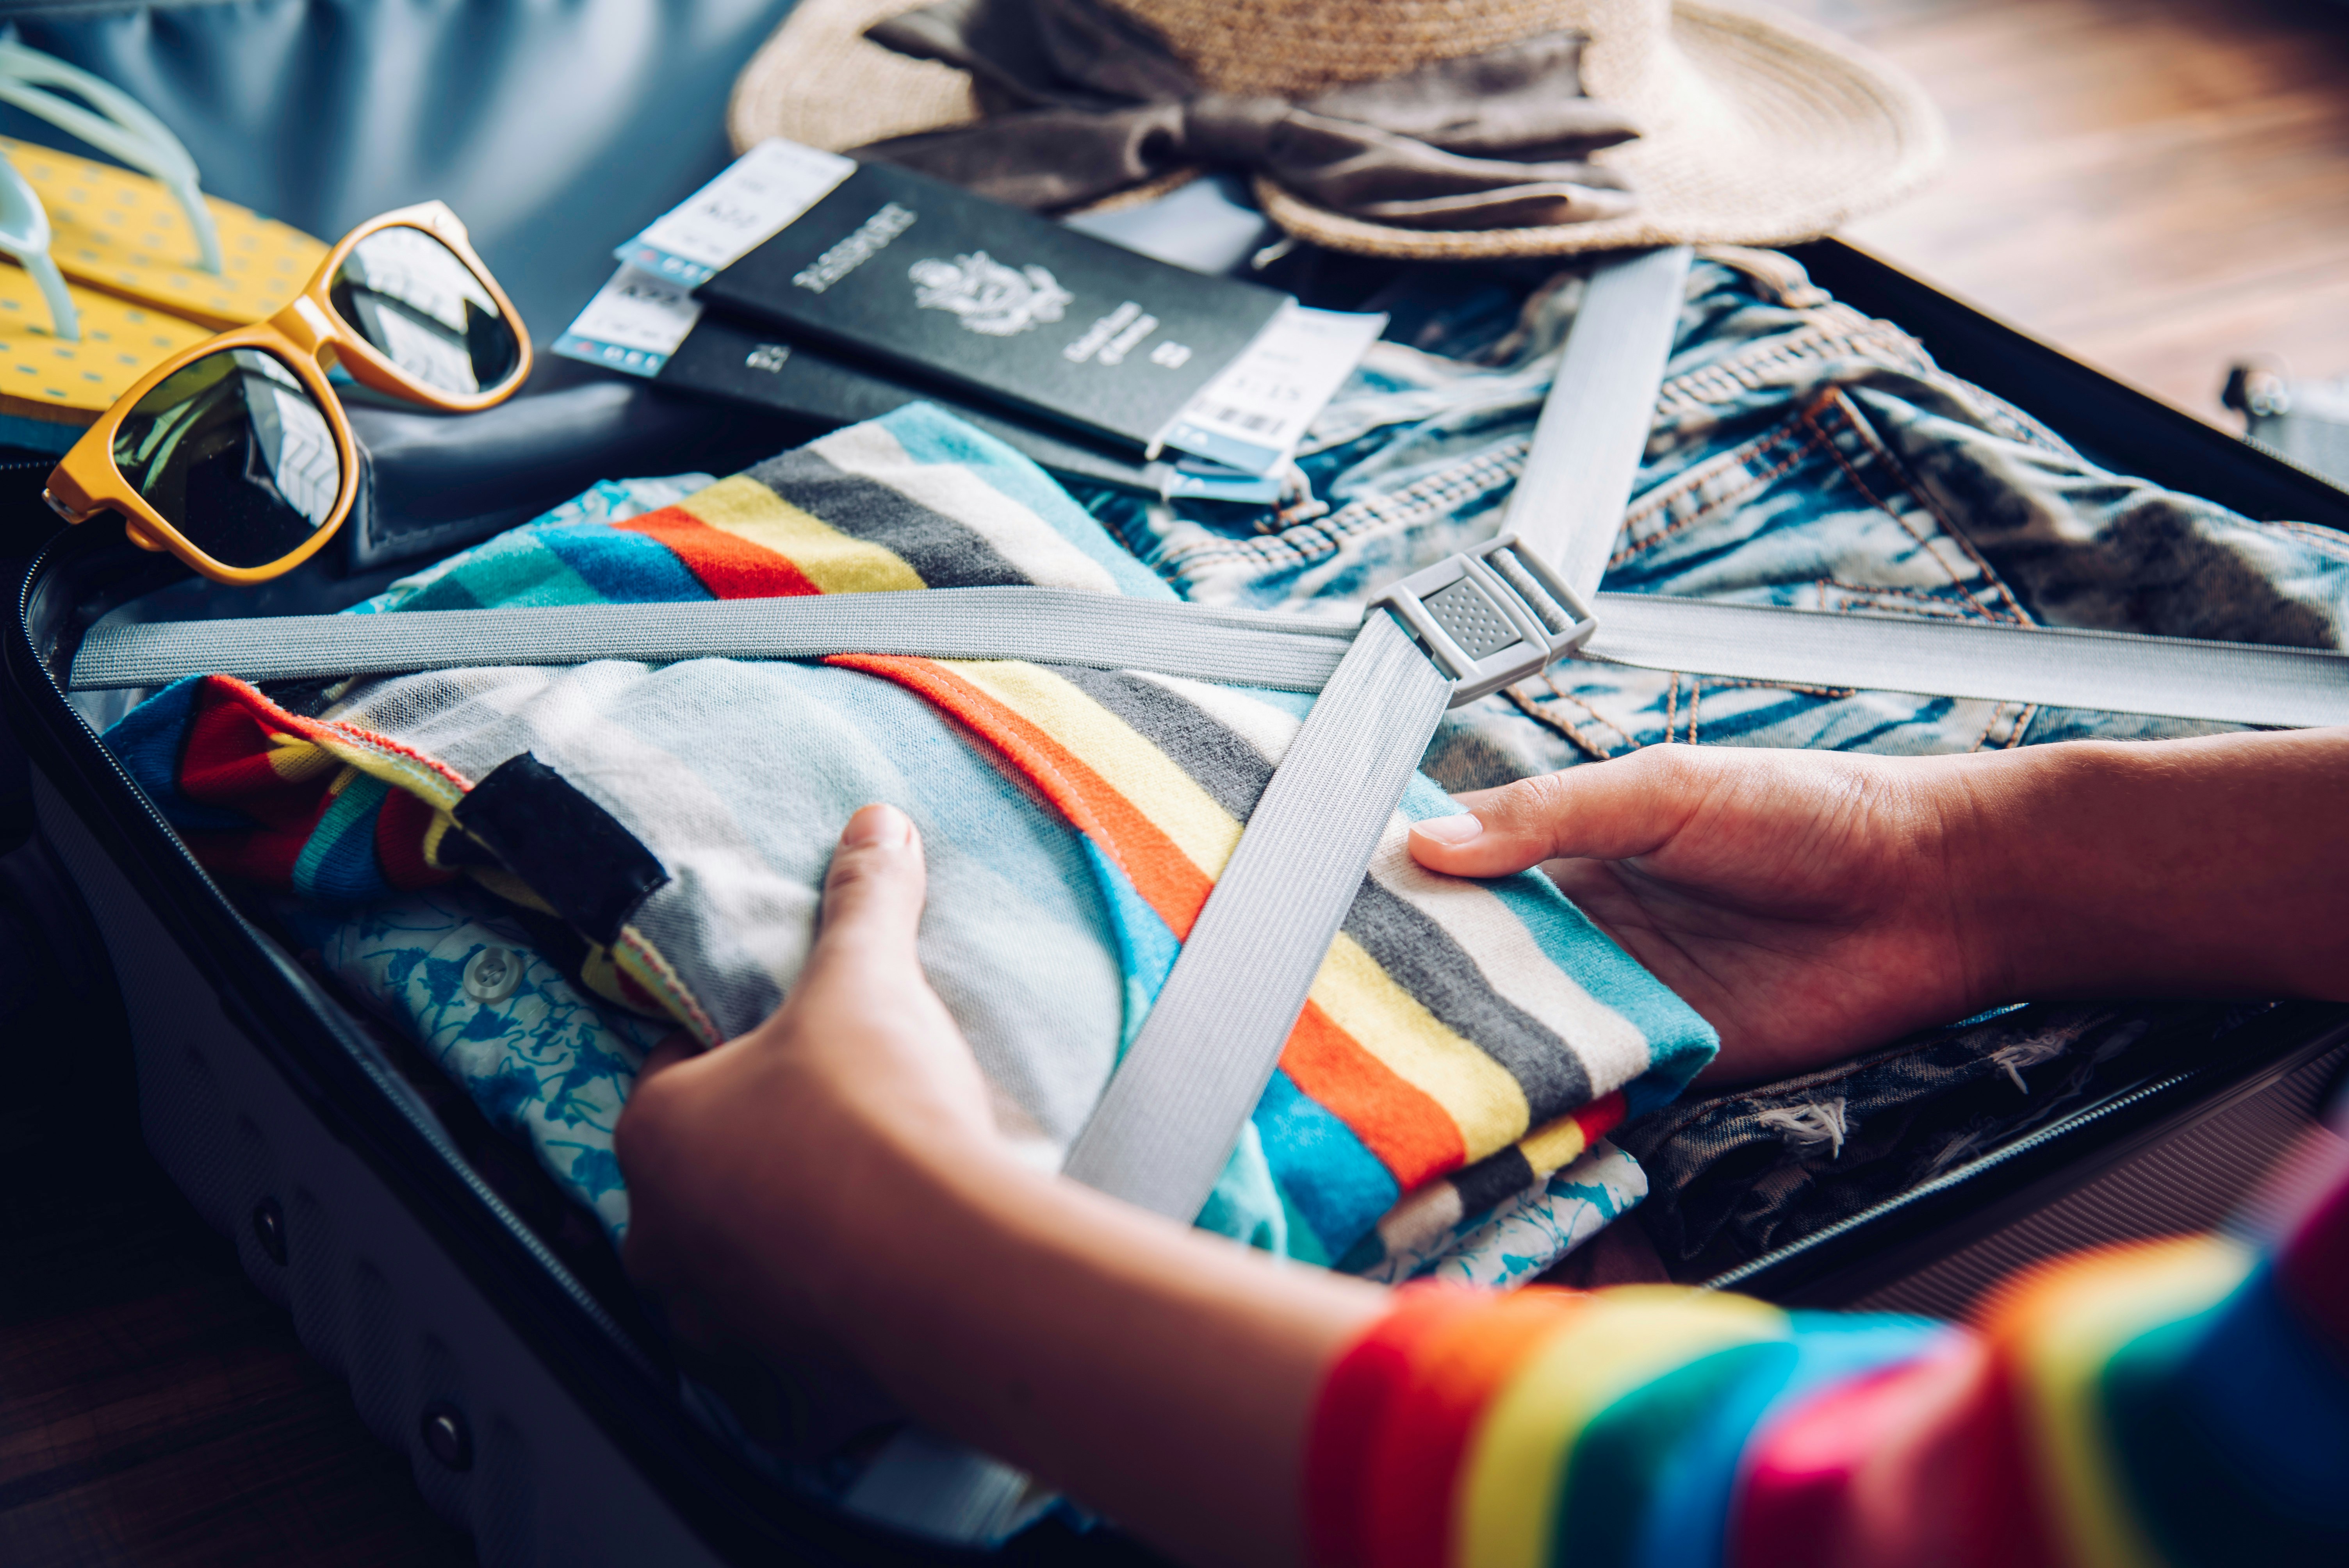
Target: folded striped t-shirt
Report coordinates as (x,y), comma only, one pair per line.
(670,826)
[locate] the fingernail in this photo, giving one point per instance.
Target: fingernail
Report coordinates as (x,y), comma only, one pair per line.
(1459,830)
(877,828)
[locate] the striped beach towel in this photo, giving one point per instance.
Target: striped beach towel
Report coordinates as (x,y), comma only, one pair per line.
(1462,1041)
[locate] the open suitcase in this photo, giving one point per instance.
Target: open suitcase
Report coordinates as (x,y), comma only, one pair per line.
(538,1411)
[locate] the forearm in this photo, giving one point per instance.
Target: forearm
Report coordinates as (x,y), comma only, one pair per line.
(2216,866)
(834,1180)
(1179,1383)
(1160,1376)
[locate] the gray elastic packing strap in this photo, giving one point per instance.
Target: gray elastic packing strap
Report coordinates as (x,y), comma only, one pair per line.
(1287,652)
(1568,504)
(1166,1125)
(1168,1121)
(2106,672)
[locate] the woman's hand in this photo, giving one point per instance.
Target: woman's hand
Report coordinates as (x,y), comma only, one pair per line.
(1807,903)
(832,1183)
(1810,905)
(858,1078)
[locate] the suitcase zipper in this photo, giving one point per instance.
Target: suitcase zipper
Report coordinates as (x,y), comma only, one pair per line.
(2014,1150)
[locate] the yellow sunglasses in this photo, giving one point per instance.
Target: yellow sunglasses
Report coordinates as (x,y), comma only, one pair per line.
(235,455)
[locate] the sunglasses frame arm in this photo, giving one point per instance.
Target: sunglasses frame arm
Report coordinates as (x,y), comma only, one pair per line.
(300,336)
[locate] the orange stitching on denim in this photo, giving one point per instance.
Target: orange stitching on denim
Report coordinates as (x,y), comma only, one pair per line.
(1841,331)
(1525,706)
(2015,716)
(1672,707)
(1835,692)
(1852,472)
(1696,689)
(1984,739)
(2328,539)
(1941,519)
(1562,694)
(1692,482)
(1925,597)
(1696,477)
(2005,419)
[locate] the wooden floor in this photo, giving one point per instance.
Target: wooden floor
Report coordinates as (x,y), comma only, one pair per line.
(2160,186)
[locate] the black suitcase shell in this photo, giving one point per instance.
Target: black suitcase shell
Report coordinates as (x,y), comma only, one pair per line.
(538,1421)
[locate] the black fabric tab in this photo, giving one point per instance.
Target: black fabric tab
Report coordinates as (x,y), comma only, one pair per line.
(574,853)
(304,698)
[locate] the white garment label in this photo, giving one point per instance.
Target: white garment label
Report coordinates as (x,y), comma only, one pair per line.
(735,213)
(634,323)
(1253,414)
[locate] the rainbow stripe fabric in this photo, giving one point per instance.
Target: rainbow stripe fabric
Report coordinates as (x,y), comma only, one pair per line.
(2181,1403)
(1463,1040)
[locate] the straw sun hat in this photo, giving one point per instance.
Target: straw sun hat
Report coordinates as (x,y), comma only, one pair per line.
(1758,128)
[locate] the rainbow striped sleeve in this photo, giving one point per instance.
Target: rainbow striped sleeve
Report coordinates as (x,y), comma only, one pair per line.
(2181,1403)
(1462,1042)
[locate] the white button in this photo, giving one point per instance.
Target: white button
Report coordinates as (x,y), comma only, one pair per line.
(492,975)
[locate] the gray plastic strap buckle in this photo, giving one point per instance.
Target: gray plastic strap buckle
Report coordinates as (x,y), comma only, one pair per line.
(1490,617)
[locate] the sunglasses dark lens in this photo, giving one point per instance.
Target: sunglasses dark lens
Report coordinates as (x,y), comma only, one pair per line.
(419,305)
(234,452)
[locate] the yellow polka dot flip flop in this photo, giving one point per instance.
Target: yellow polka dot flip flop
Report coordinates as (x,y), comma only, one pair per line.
(124,234)
(52,389)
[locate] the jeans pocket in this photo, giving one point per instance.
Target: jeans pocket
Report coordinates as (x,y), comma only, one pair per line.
(1819,500)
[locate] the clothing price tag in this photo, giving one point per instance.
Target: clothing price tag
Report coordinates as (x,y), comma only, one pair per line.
(634,323)
(731,216)
(1253,414)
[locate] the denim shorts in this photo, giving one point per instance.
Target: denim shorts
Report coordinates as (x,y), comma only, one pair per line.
(1805,455)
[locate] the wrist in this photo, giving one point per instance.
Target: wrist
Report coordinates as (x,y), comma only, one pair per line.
(2181,867)
(2032,865)
(1160,1376)
(891,1204)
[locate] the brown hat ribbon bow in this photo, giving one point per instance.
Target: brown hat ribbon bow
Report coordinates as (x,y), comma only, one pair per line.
(1084,101)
